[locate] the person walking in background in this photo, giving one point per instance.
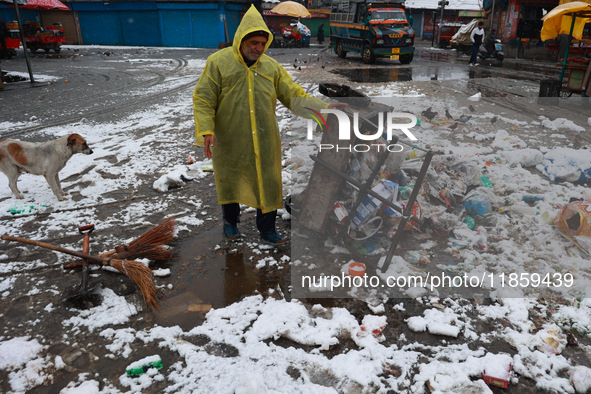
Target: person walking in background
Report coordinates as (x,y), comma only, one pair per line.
(320,34)
(234,105)
(477,38)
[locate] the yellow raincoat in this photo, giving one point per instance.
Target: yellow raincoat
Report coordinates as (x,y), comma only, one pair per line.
(237,104)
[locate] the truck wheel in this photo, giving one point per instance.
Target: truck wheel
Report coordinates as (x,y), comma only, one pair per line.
(367,55)
(406,59)
(339,50)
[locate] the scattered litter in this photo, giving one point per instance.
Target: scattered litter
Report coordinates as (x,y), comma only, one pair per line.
(565,164)
(356,269)
(181,174)
(475,97)
(373,324)
(477,202)
(469,220)
(574,223)
(484,181)
(438,119)
(552,340)
(497,369)
(140,367)
(16,209)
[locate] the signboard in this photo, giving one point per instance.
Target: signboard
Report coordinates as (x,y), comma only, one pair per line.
(314,14)
(471,14)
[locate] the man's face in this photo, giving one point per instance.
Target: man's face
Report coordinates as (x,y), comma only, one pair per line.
(252,48)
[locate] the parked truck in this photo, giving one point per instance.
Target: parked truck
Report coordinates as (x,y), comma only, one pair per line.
(373,29)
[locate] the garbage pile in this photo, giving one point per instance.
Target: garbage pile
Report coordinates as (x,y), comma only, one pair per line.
(457,200)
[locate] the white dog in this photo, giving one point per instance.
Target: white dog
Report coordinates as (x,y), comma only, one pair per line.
(39,158)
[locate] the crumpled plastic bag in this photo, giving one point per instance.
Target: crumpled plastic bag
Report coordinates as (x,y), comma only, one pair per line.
(574,223)
(565,164)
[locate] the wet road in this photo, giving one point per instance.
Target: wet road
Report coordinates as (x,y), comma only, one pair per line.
(99,83)
(104,84)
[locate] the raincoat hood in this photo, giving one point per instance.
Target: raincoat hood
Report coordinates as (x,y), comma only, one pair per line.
(251,21)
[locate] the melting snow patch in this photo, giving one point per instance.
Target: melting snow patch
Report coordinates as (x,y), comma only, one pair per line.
(16,352)
(113,310)
(561,124)
(523,157)
(435,322)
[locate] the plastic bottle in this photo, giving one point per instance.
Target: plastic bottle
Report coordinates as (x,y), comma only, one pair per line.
(405,191)
(520,209)
(138,368)
(533,198)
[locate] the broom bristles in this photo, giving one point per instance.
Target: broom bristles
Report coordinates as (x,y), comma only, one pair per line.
(150,252)
(159,235)
(141,276)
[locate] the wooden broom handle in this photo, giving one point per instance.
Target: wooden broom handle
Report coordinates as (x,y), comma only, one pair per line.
(56,248)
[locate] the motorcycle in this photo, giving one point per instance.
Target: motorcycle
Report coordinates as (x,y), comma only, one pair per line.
(492,49)
(295,35)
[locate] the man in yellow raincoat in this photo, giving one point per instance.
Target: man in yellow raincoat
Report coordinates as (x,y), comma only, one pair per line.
(234,104)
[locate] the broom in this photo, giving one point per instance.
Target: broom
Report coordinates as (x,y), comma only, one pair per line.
(136,271)
(150,252)
(150,245)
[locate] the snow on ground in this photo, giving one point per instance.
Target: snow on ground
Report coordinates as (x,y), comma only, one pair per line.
(246,358)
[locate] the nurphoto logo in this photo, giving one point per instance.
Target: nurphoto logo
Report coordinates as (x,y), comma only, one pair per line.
(393,121)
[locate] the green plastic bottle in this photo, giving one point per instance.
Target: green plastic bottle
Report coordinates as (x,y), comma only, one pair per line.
(138,368)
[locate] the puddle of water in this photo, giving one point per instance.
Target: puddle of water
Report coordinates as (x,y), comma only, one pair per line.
(403,74)
(436,56)
(443,72)
(207,278)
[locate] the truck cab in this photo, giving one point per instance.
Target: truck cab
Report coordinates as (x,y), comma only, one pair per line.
(373,29)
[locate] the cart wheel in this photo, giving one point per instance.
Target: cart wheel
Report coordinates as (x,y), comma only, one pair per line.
(46,50)
(57,49)
(565,93)
(33,49)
